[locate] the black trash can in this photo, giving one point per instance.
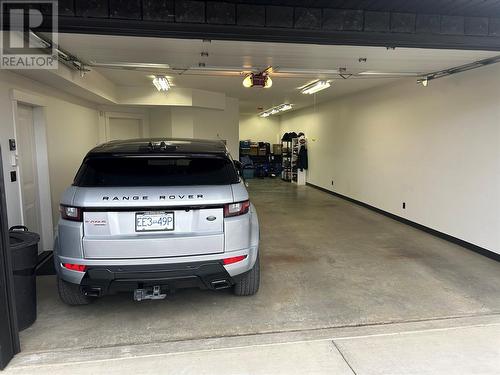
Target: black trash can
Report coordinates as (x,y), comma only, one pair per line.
(24,247)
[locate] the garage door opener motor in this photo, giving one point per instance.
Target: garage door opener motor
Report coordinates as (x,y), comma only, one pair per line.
(155,293)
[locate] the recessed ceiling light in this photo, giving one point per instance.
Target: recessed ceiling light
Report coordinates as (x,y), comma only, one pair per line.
(161,83)
(315,87)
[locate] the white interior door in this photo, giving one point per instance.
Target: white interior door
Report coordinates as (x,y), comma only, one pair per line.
(26,148)
(124,128)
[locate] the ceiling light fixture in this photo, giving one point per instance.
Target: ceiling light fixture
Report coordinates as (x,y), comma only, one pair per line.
(285,107)
(161,83)
(424,82)
(275,110)
(315,87)
(128,65)
(268,83)
(247,81)
(259,80)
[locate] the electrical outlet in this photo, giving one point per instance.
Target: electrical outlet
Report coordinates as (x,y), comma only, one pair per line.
(404,205)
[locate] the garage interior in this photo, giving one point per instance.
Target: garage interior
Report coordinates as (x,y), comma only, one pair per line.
(399,222)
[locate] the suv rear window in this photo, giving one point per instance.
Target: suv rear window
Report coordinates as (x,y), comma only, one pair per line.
(155,171)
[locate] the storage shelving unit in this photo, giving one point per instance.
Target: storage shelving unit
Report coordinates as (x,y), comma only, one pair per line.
(298,176)
(286,156)
(295,152)
(265,162)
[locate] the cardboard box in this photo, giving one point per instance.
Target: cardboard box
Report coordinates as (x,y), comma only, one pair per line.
(262,151)
(254,151)
(277,149)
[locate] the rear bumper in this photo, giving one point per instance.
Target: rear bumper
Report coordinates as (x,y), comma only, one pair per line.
(103,280)
(114,275)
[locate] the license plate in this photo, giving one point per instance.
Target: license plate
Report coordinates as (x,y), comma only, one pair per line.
(154,221)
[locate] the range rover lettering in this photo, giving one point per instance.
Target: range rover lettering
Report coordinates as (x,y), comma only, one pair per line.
(153,216)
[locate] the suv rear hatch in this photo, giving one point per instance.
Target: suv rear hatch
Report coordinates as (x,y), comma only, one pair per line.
(133,208)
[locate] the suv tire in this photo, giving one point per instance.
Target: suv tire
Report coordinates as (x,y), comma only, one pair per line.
(249,283)
(70,293)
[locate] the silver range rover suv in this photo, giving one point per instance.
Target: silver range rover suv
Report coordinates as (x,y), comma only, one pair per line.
(152,216)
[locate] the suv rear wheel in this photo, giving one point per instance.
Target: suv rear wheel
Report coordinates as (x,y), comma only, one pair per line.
(70,293)
(249,284)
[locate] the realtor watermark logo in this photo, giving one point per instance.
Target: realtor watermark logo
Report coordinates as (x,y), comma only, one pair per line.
(20,47)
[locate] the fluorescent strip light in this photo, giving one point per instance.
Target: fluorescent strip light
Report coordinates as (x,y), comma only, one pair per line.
(275,110)
(127,65)
(161,83)
(315,87)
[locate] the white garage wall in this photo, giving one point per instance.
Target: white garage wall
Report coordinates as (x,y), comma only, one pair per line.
(435,148)
(182,122)
(215,124)
(160,124)
(194,122)
(72,129)
(260,129)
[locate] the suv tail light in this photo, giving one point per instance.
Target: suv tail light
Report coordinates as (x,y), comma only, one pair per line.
(235,209)
(233,259)
(75,267)
(71,213)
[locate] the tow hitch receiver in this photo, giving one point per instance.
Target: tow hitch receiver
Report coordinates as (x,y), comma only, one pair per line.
(155,293)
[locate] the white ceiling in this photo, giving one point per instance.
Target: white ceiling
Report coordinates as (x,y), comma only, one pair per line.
(311,61)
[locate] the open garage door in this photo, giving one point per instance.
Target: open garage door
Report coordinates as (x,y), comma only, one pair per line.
(369,237)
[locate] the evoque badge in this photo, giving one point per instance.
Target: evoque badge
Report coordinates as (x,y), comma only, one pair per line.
(211,218)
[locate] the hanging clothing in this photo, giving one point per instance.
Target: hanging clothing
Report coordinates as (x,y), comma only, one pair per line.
(302,159)
(287,137)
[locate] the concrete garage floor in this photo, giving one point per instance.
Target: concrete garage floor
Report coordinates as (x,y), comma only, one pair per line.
(325,263)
